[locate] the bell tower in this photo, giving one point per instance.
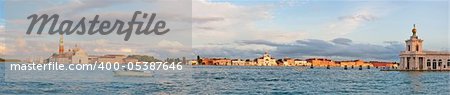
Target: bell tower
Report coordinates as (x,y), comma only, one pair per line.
(414,44)
(61,44)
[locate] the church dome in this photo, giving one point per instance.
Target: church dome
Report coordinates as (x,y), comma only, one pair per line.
(414,30)
(80,52)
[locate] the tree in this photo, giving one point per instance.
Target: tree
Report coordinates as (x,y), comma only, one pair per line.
(144,58)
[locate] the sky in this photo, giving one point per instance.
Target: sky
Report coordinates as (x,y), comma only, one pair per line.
(335,29)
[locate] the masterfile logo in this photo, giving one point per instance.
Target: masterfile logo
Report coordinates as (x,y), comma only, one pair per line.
(106,27)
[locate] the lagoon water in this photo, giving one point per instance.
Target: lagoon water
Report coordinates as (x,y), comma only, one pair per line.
(242,80)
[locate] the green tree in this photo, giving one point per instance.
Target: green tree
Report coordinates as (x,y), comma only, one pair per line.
(144,58)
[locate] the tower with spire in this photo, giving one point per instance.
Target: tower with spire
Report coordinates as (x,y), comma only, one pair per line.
(74,55)
(414,44)
(411,58)
(61,44)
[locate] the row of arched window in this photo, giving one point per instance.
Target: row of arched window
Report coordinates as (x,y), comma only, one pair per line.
(437,63)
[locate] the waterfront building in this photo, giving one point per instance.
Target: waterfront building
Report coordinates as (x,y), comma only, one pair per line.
(79,56)
(112,58)
(194,62)
(299,62)
(216,61)
(266,60)
(321,62)
(354,63)
(206,61)
(415,58)
(75,55)
(129,59)
(386,65)
(238,62)
(93,58)
(294,62)
(250,62)
(222,61)
(34,59)
(288,62)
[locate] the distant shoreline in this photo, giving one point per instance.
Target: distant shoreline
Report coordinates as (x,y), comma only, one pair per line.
(418,70)
(9,60)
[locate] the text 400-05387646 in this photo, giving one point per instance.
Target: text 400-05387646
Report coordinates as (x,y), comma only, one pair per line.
(141,66)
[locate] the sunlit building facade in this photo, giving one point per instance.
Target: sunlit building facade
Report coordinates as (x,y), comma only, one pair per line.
(266,60)
(415,58)
(75,55)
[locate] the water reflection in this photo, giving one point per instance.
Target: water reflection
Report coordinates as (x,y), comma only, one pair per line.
(416,83)
(248,80)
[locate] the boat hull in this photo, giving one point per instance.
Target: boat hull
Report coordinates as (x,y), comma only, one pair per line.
(132,74)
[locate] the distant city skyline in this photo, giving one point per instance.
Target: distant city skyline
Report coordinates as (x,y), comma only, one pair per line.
(336,29)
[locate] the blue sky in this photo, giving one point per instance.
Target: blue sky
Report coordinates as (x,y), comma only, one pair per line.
(2,12)
(366,24)
(393,24)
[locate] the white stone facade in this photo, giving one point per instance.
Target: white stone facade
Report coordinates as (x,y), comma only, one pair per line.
(415,58)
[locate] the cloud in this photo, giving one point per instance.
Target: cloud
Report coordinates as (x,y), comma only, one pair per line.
(340,49)
(349,23)
(263,42)
(78,6)
(20,42)
(206,19)
(361,16)
(20,46)
(112,10)
(223,22)
(113,51)
(342,41)
(232,51)
(172,47)
(2,37)
(2,49)
(292,3)
(2,28)
(343,48)
(226,22)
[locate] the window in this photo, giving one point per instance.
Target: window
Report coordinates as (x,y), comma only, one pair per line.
(448,62)
(409,48)
(417,47)
(428,62)
(439,62)
(434,63)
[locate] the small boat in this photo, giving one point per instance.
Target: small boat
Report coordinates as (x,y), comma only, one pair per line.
(132,73)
